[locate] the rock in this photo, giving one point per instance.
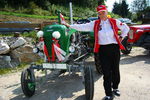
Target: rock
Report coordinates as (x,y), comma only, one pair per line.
(5,62)
(9,40)
(4,48)
(24,54)
(2,98)
(19,42)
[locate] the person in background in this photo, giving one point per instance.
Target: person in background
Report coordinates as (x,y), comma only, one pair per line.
(107,45)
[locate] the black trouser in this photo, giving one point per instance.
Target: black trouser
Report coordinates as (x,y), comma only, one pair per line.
(110,58)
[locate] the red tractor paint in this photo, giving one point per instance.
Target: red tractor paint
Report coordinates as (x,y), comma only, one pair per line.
(139,35)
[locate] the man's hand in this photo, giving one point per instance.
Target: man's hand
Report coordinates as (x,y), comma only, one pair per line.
(64,23)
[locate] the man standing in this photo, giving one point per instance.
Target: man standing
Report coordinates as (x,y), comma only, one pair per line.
(107,45)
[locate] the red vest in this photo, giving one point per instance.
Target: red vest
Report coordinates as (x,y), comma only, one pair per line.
(115,30)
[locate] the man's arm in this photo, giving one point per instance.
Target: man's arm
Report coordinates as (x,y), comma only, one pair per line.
(123,27)
(81,27)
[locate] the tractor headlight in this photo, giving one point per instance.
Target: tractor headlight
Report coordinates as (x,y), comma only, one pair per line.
(71,49)
(35,50)
(56,34)
(131,34)
(40,34)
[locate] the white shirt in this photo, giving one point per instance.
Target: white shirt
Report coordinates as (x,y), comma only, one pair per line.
(105,34)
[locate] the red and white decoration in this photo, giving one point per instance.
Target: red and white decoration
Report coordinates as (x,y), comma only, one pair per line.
(62,19)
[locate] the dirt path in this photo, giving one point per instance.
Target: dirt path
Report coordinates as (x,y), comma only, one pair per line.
(135,83)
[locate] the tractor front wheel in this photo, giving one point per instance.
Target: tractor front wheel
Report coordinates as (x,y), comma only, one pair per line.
(28,82)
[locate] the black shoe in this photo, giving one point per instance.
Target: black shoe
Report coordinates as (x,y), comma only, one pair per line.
(116,92)
(108,98)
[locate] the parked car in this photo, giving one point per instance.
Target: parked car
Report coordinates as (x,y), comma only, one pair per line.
(92,18)
(22,30)
(139,35)
(83,21)
(126,20)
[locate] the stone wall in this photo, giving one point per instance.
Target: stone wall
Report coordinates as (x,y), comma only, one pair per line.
(16,50)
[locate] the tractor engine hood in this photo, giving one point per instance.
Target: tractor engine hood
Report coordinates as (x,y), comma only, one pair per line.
(56,32)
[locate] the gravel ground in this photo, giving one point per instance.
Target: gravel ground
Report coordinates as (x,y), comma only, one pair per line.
(135,83)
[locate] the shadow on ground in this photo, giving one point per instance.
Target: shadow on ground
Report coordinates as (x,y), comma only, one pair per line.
(129,59)
(58,87)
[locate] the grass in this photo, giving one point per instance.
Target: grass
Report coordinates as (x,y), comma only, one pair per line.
(22,65)
(31,34)
(18,68)
(12,70)
(32,16)
(5,35)
(27,15)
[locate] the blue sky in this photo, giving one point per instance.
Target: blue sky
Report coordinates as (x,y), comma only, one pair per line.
(110,3)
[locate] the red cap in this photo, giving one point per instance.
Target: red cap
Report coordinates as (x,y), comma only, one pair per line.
(101,8)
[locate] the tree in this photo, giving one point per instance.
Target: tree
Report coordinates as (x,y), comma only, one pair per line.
(124,9)
(2,3)
(101,2)
(43,3)
(139,5)
(121,9)
(116,8)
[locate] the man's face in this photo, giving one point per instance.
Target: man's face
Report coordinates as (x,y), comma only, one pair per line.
(102,14)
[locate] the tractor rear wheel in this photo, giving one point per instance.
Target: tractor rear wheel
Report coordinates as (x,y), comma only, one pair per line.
(97,63)
(128,46)
(89,82)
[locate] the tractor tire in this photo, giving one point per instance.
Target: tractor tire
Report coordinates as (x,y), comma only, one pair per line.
(128,47)
(28,82)
(97,63)
(89,83)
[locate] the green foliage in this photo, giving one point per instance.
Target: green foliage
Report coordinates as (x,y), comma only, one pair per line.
(101,2)
(134,17)
(31,34)
(4,35)
(18,68)
(139,5)
(37,10)
(113,15)
(121,9)
(141,9)
(44,4)
(11,70)
(84,12)
(40,13)
(27,15)
(2,3)
(140,15)
(48,7)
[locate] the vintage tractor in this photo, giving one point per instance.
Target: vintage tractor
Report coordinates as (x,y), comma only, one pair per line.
(64,49)
(139,35)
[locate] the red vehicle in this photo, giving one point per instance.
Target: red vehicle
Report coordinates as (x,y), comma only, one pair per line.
(139,35)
